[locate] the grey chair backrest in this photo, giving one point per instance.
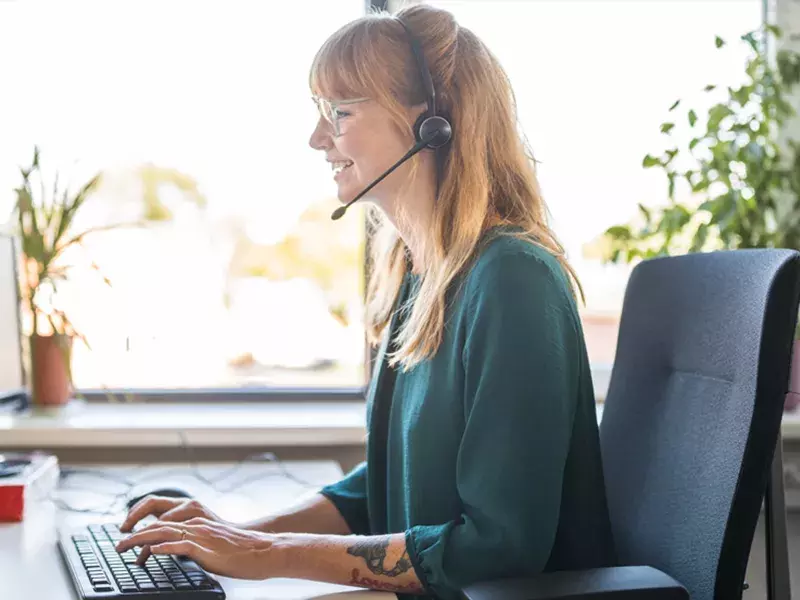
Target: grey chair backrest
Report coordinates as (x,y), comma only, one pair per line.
(694,408)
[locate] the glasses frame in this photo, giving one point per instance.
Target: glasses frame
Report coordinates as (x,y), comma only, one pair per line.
(333,106)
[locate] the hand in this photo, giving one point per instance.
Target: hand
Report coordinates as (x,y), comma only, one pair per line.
(167,509)
(219,548)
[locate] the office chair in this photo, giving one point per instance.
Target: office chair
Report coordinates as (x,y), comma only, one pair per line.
(690,433)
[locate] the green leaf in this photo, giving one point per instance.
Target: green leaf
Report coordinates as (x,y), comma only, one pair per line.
(774,30)
(694,143)
(692,119)
(700,237)
(650,161)
(709,88)
(701,185)
(674,105)
(667,127)
(645,212)
(751,41)
(719,42)
(716,114)
(619,232)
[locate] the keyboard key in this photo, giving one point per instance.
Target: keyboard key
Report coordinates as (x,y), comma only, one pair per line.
(145,587)
(164,586)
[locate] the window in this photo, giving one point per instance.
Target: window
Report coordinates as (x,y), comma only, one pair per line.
(593,81)
(200,111)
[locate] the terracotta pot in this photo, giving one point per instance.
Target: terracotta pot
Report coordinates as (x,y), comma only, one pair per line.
(50,369)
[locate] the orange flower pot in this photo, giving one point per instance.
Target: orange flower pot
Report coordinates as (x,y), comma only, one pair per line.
(50,369)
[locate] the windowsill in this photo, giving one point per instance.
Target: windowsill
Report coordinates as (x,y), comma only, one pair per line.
(88,424)
(82,424)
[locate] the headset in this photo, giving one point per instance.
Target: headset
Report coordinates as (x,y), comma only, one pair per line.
(431,130)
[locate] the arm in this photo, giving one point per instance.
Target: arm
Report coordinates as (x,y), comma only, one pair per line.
(316,514)
(339,508)
(375,562)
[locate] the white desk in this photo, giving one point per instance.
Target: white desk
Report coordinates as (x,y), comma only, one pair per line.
(31,567)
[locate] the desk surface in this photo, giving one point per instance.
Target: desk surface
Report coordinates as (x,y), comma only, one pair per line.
(30,565)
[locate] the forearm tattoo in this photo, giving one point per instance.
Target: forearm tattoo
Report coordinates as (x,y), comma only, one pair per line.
(373,552)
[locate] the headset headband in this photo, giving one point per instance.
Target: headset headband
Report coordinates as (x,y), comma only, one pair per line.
(422,65)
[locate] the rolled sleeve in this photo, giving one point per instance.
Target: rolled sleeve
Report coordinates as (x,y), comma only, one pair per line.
(349,496)
(521,365)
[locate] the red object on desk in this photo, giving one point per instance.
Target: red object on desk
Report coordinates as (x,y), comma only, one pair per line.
(19,493)
(12,502)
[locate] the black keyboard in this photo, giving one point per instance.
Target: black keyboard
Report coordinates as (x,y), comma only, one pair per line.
(99,571)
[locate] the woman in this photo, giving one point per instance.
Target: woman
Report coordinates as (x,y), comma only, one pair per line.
(483,454)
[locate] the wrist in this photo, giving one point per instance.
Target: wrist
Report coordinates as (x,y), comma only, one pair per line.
(281,549)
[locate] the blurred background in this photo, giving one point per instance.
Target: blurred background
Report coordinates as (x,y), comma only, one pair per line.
(198,115)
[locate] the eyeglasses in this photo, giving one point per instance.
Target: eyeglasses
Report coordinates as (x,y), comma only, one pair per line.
(329,110)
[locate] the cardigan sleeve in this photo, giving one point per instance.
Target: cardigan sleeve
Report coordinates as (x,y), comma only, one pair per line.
(521,363)
(349,496)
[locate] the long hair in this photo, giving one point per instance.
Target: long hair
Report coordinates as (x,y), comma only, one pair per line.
(487,173)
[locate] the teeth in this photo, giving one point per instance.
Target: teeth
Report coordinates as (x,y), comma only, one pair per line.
(340,166)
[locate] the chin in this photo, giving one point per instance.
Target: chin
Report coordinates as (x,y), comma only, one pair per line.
(347,193)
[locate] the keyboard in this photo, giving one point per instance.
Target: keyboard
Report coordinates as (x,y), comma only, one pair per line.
(99,571)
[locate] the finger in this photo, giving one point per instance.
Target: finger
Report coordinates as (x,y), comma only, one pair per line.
(184,548)
(151,505)
(144,554)
(182,512)
(200,521)
(150,536)
(155,525)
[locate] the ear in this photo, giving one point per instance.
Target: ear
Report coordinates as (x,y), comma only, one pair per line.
(418,110)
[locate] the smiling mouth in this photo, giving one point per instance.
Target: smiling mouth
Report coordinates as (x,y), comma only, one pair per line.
(340,165)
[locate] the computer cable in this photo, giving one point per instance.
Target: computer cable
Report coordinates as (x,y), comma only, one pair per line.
(117,499)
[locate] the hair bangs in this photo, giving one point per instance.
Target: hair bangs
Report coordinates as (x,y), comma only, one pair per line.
(339,68)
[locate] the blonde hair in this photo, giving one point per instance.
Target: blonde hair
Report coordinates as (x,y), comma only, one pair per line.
(487,173)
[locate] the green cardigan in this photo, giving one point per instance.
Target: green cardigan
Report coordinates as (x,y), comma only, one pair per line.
(488,458)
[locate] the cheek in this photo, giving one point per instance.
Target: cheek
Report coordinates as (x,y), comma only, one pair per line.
(373,148)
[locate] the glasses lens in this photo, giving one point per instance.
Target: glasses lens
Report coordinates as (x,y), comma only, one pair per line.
(327,112)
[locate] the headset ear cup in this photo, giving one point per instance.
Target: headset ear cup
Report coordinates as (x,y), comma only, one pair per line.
(436,130)
(418,125)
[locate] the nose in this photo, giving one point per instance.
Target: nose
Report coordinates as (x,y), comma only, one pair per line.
(321,138)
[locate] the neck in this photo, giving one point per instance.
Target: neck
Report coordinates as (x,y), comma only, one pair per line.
(411,212)
(413,220)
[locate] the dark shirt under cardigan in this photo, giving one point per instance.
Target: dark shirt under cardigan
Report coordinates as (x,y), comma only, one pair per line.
(488,459)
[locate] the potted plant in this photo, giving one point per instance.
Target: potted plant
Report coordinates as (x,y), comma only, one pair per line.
(735,182)
(43,224)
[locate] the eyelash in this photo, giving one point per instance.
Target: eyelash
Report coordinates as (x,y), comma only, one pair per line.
(341,113)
